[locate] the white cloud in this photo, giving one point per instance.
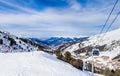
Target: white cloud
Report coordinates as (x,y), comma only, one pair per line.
(52,18)
(53,22)
(75,5)
(18,7)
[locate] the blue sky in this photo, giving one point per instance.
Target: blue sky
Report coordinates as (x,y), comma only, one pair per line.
(47,18)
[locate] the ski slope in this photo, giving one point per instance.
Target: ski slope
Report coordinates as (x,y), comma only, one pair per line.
(35,64)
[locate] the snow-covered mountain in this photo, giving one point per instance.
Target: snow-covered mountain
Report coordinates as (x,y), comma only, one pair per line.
(108,44)
(11,43)
(54,43)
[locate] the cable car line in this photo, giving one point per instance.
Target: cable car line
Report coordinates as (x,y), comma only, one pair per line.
(108,16)
(110,25)
(98,39)
(94,50)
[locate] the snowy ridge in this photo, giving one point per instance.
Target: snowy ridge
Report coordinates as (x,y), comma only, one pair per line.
(11,43)
(105,38)
(72,48)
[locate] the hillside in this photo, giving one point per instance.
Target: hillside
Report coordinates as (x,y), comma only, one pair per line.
(11,43)
(54,43)
(109,47)
(35,64)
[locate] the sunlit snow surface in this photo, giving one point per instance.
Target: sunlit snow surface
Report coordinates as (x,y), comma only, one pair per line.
(35,64)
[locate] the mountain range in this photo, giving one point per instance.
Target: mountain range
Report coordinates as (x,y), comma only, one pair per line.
(54,43)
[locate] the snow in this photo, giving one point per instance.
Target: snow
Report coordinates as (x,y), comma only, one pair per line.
(72,37)
(111,54)
(18,47)
(35,64)
(72,48)
(92,74)
(105,38)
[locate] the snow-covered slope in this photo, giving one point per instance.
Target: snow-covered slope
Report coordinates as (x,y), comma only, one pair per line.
(35,64)
(11,43)
(105,38)
(108,43)
(72,48)
(110,40)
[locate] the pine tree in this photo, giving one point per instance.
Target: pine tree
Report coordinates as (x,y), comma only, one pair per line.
(67,56)
(89,66)
(117,72)
(58,54)
(77,63)
(107,71)
(1,41)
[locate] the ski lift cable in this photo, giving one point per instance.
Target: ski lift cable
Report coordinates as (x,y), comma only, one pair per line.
(97,40)
(95,52)
(106,31)
(110,25)
(113,21)
(109,16)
